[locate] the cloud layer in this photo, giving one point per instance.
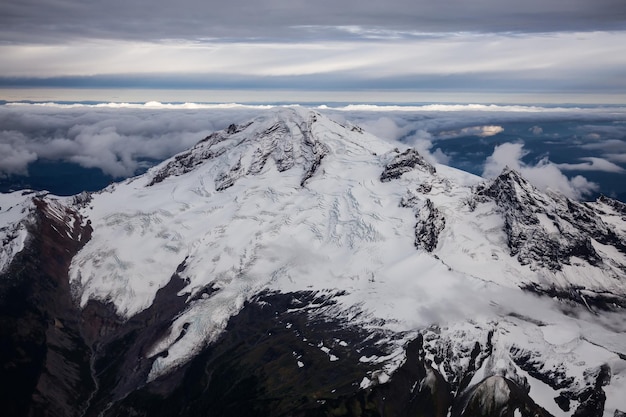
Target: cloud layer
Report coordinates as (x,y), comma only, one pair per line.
(111,139)
(120,139)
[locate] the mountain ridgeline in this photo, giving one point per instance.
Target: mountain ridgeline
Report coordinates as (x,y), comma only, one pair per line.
(295,266)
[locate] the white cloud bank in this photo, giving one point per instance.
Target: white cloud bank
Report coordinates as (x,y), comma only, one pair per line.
(544,175)
(113,140)
(14,160)
(119,138)
(395,129)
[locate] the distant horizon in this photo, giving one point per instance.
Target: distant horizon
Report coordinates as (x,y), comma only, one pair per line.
(289,96)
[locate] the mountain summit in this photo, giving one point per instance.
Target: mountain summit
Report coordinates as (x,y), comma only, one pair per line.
(296,266)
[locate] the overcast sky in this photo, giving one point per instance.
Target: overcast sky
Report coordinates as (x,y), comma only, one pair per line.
(542,46)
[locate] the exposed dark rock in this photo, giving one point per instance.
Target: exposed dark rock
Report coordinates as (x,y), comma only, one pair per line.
(424,188)
(592,404)
(617,205)
(591,397)
(56,358)
(317,151)
(81,200)
(275,360)
(594,301)
(430,221)
(532,363)
(563,401)
(253,368)
(120,346)
(496,396)
(281,142)
(416,388)
(188,160)
(44,360)
(526,212)
(405,162)
(227,179)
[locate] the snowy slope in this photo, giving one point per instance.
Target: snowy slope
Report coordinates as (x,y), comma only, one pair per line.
(294,201)
(14,211)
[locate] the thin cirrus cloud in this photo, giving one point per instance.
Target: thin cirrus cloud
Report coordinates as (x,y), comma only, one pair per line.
(567,60)
(44,21)
(536,46)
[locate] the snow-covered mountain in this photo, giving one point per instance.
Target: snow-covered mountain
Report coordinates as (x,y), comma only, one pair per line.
(295,266)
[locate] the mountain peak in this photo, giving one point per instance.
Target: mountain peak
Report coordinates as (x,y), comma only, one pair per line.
(549,230)
(285,138)
(405,162)
(511,185)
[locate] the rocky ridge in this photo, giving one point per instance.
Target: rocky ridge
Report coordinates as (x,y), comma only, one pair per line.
(551,231)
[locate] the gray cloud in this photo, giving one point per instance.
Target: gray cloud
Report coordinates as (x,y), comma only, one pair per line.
(14,158)
(39,20)
(592,164)
(610,140)
(593,131)
(618,158)
(608,145)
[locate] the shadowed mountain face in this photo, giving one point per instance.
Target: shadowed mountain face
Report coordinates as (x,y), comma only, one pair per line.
(45,358)
(292,266)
